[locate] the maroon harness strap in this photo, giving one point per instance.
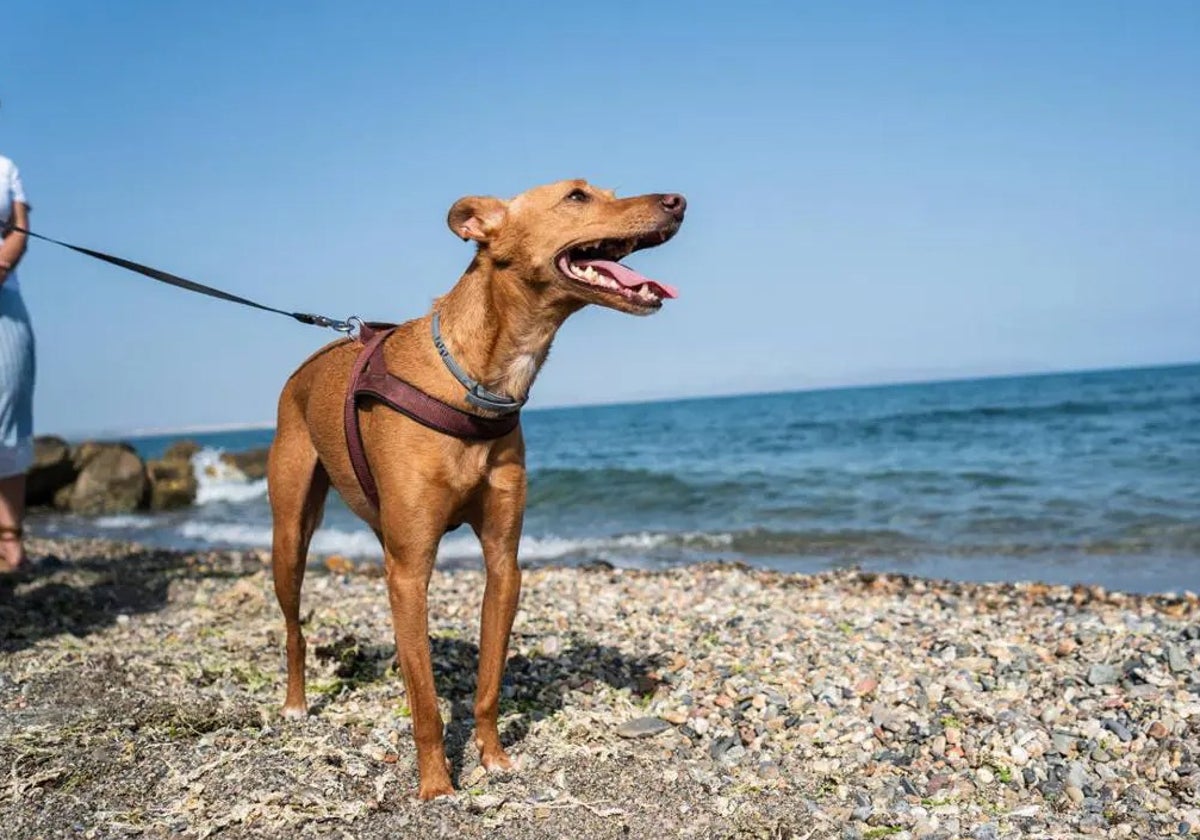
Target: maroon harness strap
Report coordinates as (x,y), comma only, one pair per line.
(371,380)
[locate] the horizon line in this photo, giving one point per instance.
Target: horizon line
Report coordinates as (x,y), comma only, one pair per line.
(212,428)
(883,383)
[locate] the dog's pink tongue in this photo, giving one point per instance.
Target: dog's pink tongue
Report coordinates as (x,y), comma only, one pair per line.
(629,278)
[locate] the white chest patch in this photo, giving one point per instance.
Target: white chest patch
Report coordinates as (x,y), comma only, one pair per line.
(521,372)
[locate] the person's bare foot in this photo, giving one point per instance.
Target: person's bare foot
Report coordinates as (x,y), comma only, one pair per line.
(12,550)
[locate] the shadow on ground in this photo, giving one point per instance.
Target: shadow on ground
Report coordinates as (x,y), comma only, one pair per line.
(88,594)
(534,686)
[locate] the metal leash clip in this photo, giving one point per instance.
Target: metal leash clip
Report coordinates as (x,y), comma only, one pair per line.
(352,326)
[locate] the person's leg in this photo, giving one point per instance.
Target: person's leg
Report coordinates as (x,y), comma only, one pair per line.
(18,368)
(12,516)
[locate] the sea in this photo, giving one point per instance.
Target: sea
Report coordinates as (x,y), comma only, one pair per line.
(1065,478)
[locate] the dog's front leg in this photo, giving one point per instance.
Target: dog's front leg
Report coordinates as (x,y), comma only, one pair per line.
(500,533)
(409,566)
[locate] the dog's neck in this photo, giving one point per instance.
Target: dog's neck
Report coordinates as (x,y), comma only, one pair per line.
(498,328)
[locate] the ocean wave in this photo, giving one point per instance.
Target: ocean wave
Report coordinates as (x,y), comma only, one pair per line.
(463,546)
(325,541)
(1031,411)
(218,481)
(980,537)
(550,547)
(126,522)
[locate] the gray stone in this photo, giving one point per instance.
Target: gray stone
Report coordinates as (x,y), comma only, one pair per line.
(1176,660)
(720,746)
(1077,774)
(734,754)
(486,802)
(644,727)
(1051,789)
(1063,743)
(884,718)
(1118,729)
(1101,674)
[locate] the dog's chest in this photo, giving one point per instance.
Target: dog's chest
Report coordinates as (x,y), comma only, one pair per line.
(470,468)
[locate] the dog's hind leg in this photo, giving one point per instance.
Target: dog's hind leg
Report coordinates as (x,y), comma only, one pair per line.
(297,485)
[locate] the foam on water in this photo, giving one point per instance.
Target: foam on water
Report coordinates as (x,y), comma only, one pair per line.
(551,547)
(126,521)
(363,544)
(325,540)
(217,481)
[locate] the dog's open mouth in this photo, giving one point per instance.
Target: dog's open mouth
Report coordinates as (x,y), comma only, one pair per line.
(595,264)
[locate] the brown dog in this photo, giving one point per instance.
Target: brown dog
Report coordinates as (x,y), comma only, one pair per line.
(541,257)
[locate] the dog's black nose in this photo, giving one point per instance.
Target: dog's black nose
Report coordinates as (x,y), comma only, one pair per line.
(674,204)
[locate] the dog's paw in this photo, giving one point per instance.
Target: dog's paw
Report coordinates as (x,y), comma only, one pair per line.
(499,762)
(294,712)
(435,788)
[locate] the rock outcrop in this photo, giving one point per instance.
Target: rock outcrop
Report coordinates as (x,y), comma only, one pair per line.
(112,479)
(252,463)
(181,450)
(53,469)
(172,480)
(100,477)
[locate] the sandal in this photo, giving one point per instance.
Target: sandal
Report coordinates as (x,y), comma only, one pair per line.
(13,534)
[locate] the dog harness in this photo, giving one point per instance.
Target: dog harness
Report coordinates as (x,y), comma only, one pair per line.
(370,380)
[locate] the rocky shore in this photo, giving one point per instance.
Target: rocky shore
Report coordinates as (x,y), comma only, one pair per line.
(139,693)
(110,477)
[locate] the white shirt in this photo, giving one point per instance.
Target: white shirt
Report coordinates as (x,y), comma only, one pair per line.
(11,192)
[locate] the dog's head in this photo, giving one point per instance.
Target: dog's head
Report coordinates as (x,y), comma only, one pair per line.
(565,240)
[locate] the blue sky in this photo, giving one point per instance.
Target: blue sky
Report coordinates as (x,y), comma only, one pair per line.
(877,191)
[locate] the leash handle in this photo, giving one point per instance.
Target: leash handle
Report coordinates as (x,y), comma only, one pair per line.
(349,326)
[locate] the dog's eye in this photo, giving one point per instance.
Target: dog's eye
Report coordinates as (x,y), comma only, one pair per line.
(578,195)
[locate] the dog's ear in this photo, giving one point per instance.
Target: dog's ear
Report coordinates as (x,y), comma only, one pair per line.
(476,217)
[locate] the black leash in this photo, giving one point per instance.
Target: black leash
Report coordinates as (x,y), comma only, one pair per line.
(348,326)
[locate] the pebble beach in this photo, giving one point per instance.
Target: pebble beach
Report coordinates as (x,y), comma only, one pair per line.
(139,691)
